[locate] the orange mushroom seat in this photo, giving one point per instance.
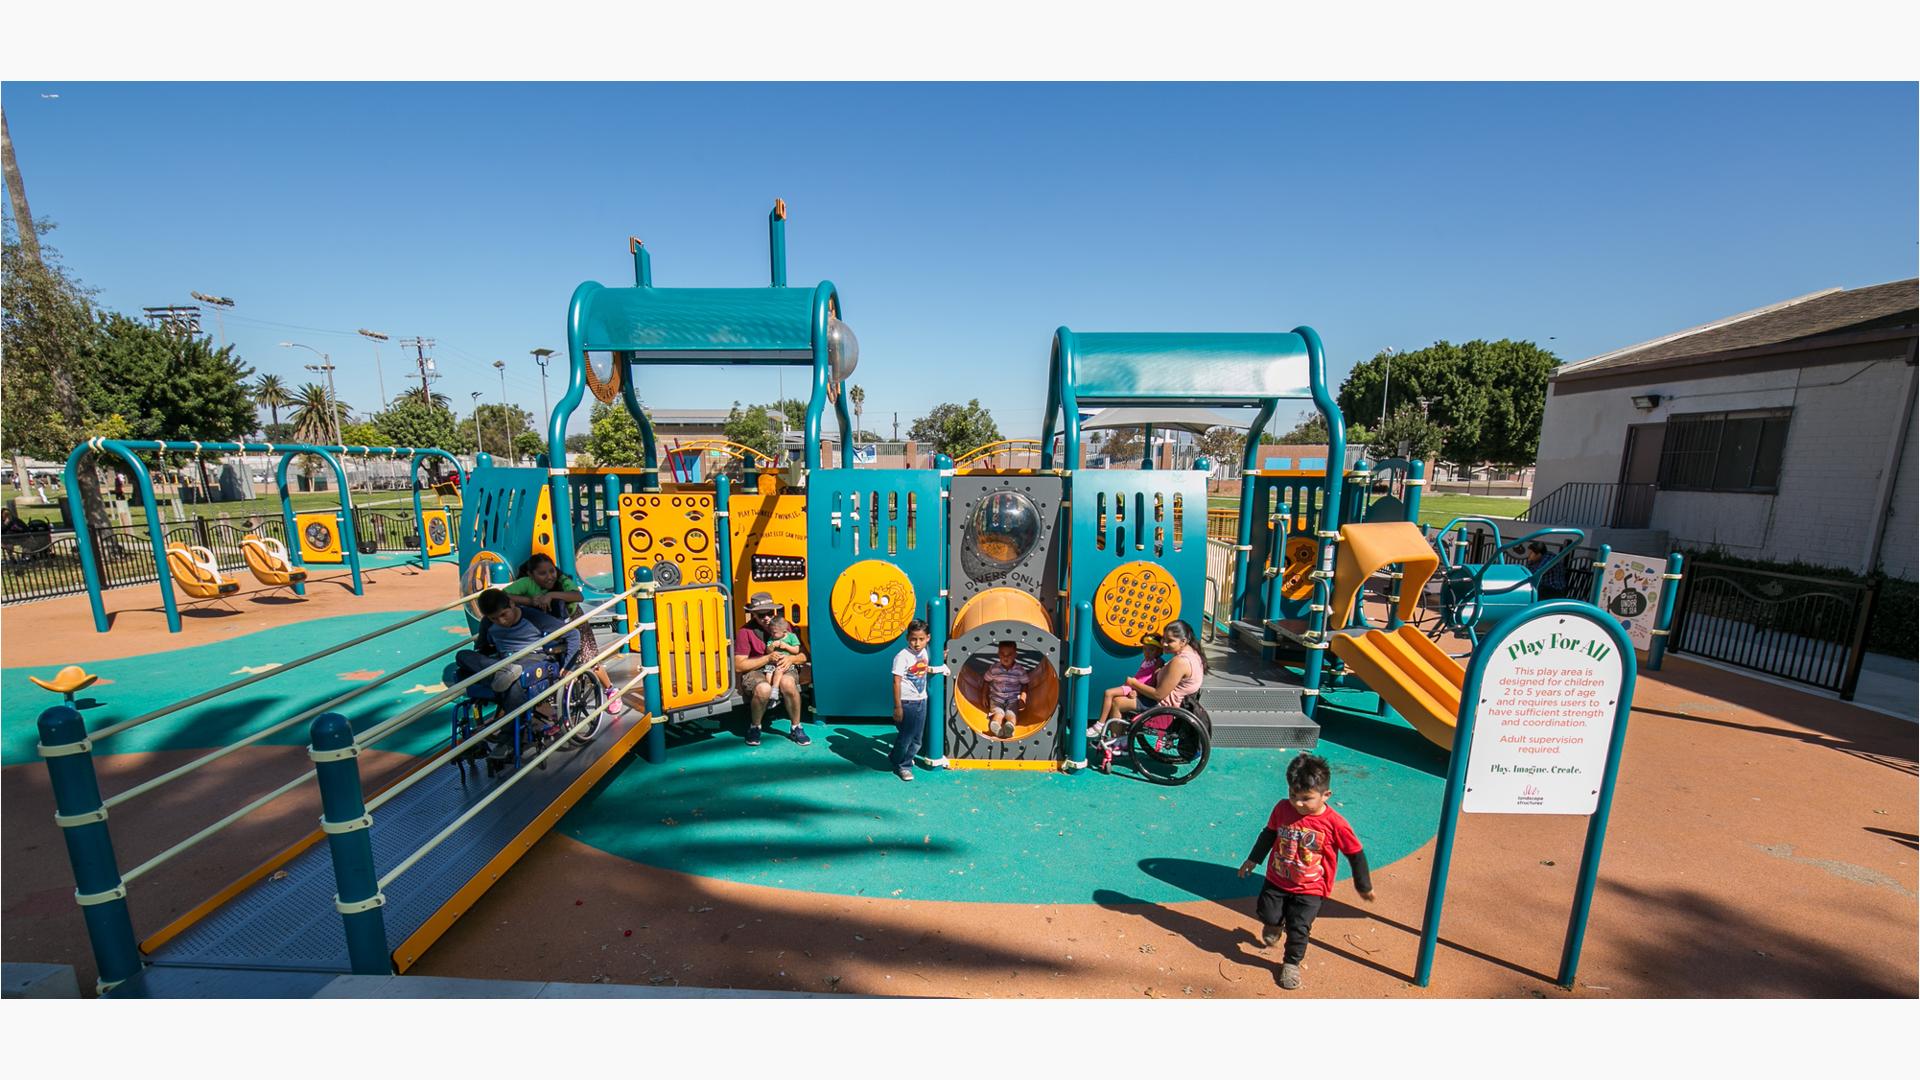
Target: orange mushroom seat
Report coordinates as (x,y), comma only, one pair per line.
(68,680)
(267,560)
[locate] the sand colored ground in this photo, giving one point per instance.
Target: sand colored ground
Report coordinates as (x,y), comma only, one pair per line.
(1763,844)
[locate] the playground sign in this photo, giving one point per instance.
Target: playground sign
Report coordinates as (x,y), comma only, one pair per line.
(866,453)
(1630,591)
(1544,719)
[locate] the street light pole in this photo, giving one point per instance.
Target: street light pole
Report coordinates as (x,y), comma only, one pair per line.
(1388,355)
(333,399)
(377,337)
(513,452)
(540,357)
(478,446)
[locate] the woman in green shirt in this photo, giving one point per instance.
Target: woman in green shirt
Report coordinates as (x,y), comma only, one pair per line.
(542,586)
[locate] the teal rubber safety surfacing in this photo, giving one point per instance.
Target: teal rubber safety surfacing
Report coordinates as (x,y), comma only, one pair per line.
(133,685)
(829,818)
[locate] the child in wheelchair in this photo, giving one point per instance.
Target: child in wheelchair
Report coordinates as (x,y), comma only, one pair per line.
(507,628)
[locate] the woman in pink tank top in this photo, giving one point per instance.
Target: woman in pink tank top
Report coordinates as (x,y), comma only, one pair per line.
(1184,673)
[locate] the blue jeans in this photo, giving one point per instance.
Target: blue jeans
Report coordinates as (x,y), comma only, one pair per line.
(913,728)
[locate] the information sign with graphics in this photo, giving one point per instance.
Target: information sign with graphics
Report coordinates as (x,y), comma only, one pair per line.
(1630,591)
(1544,718)
(866,453)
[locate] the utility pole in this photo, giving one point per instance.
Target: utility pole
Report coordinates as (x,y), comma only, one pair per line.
(513,452)
(896,427)
(180,320)
(377,337)
(333,400)
(425,362)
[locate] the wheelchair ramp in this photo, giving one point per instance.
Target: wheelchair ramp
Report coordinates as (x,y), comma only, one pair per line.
(285,920)
(1254,704)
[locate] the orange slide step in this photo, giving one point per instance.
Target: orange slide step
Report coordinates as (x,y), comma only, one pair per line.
(1409,673)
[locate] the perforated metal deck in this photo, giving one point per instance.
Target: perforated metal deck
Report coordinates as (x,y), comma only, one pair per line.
(288,923)
(1253,704)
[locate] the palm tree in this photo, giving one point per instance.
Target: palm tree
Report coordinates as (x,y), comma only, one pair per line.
(311,424)
(857,395)
(268,390)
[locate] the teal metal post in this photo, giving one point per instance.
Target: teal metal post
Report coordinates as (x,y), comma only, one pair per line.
(649,451)
(1326,533)
(1449,821)
(933,748)
(349,539)
(83,825)
(345,820)
(1082,682)
(83,532)
(777,243)
(557,491)
(723,529)
(1663,624)
(826,301)
(1147,461)
(418,458)
(611,485)
(1411,487)
(1589,875)
(1599,574)
(654,747)
(642,263)
(1243,542)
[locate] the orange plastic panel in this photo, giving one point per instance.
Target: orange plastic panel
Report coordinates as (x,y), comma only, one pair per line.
(1365,550)
(1135,599)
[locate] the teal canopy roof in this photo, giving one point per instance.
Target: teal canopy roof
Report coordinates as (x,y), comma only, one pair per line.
(1188,369)
(771,324)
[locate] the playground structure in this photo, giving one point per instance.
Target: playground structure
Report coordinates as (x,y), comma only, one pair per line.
(315,536)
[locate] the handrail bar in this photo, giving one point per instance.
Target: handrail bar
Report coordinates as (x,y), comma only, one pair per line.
(520,774)
(327,706)
(445,756)
(452,693)
(126,725)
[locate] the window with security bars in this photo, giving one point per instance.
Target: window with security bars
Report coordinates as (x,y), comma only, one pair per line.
(1724,451)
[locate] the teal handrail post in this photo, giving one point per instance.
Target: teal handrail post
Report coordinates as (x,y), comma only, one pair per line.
(419,458)
(777,243)
(649,452)
(723,529)
(654,747)
(1082,683)
(611,484)
(1449,820)
(1243,534)
(1146,451)
(1663,623)
(83,825)
(156,532)
(557,426)
(642,263)
(933,748)
(1599,573)
(286,519)
(845,416)
(1326,533)
(345,820)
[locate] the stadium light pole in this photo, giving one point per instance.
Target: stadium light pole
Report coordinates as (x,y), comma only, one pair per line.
(219,304)
(478,447)
(380,378)
(540,357)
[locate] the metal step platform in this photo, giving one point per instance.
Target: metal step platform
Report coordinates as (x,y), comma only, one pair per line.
(284,920)
(1254,704)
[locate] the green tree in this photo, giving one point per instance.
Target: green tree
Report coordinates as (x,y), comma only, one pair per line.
(501,427)
(1224,444)
(613,439)
(48,326)
(1487,397)
(406,422)
(362,433)
(576,444)
(857,397)
(269,391)
(755,426)
(166,385)
(1407,433)
(954,429)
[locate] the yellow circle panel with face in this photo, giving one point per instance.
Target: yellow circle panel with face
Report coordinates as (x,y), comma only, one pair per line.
(1135,599)
(872,602)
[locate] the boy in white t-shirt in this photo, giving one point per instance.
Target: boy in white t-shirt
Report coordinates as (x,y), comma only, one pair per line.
(909,699)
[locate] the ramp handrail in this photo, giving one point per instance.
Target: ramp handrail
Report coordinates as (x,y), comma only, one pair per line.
(128,725)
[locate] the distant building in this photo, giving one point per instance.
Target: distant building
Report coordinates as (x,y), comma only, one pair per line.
(1782,433)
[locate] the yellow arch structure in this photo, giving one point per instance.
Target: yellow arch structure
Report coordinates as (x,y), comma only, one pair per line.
(965,461)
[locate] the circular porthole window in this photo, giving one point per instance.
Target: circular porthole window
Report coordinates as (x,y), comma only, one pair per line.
(1001,532)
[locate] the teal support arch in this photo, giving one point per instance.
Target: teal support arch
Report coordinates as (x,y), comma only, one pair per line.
(83,531)
(419,458)
(349,537)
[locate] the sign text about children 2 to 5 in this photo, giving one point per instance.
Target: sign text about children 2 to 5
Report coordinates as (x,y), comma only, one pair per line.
(1545,714)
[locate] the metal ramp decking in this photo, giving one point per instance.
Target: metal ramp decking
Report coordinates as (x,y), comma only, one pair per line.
(1253,704)
(281,918)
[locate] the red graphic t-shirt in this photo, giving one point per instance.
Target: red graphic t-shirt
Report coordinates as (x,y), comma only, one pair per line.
(1306,850)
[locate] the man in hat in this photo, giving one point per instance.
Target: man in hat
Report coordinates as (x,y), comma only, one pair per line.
(764,671)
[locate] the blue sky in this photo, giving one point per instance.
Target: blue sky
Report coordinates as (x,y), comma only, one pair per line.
(962,223)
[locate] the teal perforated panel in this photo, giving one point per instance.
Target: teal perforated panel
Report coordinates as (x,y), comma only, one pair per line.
(1128,515)
(497,507)
(895,515)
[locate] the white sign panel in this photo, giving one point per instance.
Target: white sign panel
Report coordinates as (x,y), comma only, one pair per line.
(1544,718)
(866,453)
(1630,591)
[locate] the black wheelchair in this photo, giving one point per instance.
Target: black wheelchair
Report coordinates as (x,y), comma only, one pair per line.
(1164,744)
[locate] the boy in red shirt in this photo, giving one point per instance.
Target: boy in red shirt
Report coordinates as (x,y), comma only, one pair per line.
(1303,842)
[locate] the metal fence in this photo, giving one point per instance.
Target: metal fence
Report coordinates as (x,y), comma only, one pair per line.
(1607,506)
(1804,629)
(42,564)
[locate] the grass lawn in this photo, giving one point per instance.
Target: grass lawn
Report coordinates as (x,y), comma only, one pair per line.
(1435,510)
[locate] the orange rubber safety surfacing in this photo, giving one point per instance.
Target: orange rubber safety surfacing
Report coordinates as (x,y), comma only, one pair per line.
(872,602)
(1136,599)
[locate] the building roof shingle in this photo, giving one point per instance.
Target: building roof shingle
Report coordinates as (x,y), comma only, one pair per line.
(1887,305)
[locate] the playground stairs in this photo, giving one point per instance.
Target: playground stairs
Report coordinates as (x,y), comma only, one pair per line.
(281,917)
(1251,706)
